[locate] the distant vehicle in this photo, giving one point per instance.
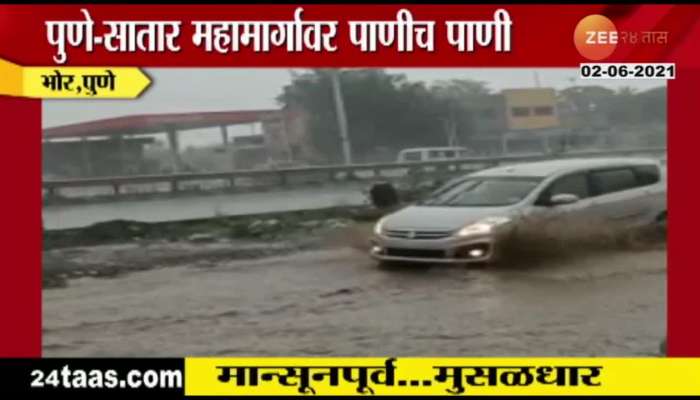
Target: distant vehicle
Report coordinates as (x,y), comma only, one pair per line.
(467,218)
(433,154)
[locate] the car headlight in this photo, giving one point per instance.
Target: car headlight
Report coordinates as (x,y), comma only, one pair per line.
(379,227)
(482,227)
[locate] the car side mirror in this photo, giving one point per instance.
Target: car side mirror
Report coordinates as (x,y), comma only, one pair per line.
(563,198)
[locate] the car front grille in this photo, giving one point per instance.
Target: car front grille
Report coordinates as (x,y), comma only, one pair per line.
(415,253)
(417,234)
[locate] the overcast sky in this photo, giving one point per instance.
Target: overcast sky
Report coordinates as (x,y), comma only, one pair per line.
(219,89)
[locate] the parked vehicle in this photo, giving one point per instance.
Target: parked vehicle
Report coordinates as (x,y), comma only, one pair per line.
(469,217)
(433,154)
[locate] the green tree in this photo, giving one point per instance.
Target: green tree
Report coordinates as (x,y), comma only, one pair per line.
(457,100)
(383,109)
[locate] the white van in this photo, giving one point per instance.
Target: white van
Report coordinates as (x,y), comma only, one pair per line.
(418,154)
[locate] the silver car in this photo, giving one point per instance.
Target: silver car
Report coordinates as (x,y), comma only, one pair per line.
(466,219)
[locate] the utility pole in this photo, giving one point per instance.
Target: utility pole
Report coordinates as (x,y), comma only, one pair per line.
(340,115)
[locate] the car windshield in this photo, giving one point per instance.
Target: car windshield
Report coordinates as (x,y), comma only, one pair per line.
(482,192)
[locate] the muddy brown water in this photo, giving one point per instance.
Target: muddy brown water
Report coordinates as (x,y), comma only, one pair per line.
(336,302)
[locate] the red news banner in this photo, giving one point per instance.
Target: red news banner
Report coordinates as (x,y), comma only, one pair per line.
(446,35)
(442,36)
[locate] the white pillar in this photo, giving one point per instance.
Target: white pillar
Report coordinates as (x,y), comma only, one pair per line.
(224,135)
(122,154)
(85,153)
(174,145)
(340,114)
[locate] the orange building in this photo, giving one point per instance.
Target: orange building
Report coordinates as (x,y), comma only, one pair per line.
(531,109)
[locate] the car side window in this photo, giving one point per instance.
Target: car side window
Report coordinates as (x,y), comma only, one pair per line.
(647,174)
(570,184)
(412,156)
(613,180)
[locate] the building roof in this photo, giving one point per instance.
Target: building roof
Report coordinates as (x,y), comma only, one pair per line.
(158,123)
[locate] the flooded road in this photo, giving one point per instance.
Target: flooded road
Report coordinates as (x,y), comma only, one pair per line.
(336,302)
